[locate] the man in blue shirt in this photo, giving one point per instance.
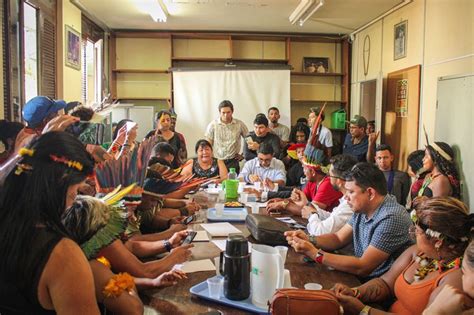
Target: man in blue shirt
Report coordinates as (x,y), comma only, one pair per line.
(378,229)
(357,143)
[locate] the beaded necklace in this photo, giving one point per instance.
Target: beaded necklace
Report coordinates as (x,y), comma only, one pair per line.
(427,265)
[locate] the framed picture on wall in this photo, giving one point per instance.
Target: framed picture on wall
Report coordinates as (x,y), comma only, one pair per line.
(73,48)
(315,65)
(400,32)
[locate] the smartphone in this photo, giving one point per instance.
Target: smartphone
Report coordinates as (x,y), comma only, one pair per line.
(88,132)
(188,220)
(249,140)
(189,238)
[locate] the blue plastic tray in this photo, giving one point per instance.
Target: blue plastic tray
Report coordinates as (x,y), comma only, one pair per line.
(228,215)
(202,291)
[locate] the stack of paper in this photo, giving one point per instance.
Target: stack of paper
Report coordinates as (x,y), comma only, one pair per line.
(220,229)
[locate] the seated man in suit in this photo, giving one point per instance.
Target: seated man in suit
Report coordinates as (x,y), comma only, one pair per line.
(398,182)
(264,168)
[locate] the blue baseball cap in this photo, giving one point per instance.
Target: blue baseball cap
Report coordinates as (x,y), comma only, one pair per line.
(39,107)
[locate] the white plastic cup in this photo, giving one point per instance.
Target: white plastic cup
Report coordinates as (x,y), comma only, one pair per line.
(244,197)
(287,281)
(255,208)
(257,185)
(215,286)
(283,250)
(221,197)
(313,286)
(219,209)
(241,187)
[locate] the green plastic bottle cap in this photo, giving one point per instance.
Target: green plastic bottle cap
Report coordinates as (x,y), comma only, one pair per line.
(232,169)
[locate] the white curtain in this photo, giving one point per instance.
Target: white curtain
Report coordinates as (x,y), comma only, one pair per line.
(197,95)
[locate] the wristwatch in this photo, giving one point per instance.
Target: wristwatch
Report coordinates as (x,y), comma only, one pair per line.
(365,310)
(168,245)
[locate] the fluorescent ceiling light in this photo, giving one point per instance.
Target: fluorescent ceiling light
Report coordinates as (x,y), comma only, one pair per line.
(152,7)
(305,10)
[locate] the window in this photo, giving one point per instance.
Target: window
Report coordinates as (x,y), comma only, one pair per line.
(92,72)
(30,50)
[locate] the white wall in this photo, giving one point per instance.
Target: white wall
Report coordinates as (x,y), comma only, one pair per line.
(440,38)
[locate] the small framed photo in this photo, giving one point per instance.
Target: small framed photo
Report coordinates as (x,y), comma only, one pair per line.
(73,48)
(315,65)
(400,32)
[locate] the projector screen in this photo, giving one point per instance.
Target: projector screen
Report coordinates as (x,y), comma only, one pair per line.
(197,95)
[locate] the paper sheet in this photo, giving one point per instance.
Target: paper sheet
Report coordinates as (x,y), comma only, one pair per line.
(196,265)
(222,243)
(287,220)
(220,229)
(201,236)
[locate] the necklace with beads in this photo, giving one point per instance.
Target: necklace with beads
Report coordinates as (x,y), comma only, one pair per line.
(427,265)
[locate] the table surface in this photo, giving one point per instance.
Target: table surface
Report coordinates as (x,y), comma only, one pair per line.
(178,300)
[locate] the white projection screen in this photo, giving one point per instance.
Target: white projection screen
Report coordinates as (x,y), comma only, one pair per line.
(197,95)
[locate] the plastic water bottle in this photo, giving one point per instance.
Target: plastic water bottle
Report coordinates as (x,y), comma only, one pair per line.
(232,174)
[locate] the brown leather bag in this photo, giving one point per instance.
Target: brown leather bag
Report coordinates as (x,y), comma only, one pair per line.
(303,302)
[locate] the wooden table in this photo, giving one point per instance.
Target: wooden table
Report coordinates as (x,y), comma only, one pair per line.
(178,300)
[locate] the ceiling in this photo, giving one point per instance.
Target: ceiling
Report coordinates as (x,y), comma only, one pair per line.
(334,17)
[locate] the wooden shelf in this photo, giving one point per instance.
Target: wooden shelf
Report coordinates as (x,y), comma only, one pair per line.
(230,59)
(315,74)
(140,71)
(141,98)
(200,59)
(260,60)
(318,101)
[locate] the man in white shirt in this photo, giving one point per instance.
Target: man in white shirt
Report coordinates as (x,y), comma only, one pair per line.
(225,135)
(321,221)
(264,168)
(325,135)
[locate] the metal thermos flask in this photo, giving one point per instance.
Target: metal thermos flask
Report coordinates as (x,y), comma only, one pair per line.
(235,267)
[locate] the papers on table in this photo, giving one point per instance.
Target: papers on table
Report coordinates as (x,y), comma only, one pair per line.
(201,236)
(292,222)
(220,229)
(287,220)
(196,265)
(222,243)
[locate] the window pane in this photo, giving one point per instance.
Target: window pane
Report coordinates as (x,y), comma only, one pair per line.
(30,35)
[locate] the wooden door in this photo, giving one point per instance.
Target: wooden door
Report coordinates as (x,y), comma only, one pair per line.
(400,116)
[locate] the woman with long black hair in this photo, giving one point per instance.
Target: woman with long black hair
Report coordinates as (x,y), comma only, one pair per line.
(42,269)
(443,179)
